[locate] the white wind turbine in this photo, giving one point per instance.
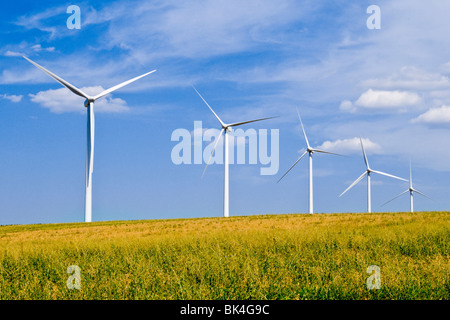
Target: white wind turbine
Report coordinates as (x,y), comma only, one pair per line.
(226,128)
(411,190)
(310,151)
(368,172)
(89,104)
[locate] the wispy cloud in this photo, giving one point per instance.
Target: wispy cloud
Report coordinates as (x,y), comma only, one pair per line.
(410,78)
(24,49)
(42,20)
(13,98)
(174,29)
(39,48)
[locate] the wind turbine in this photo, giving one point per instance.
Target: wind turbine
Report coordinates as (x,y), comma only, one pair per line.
(226,128)
(368,172)
(89,104)
(310,151)
(411,190)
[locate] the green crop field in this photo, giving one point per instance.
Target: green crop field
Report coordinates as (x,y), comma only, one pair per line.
(295,256)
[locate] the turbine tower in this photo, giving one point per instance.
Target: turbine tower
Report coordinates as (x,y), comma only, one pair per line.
(411,190)
(368,172)
(226,128)
(89,104)
(310,151)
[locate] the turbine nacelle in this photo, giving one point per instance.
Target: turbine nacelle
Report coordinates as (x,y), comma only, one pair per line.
(227,128)
(87,102)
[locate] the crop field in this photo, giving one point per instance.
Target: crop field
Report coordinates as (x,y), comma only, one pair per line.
(289,256)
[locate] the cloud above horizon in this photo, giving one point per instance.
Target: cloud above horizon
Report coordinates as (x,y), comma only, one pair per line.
(12,97)
(439,115)
(382,100)
(62,101)
(351,146)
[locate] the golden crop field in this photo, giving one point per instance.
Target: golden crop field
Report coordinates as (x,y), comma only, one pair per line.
(290,256)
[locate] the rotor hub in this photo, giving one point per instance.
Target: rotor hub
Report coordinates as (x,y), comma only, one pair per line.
(87,102)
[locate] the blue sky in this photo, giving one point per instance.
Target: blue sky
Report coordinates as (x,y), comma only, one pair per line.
(248,59)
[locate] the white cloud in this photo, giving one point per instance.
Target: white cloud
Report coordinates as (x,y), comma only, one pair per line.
(409,88)
(62,100)
(373,99)
(13,98)
(382,100)
(434,116)
(10,53)
(349,146)
(39,48)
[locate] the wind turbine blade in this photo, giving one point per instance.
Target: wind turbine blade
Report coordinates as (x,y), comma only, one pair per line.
(389,175)
(214,149)
(60,80)
(414,190)
(364,153)
(321,151)
(303,129)
(354,183)
(221,122)
(395,197)
(244,122)
(104,93)
(293,165)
